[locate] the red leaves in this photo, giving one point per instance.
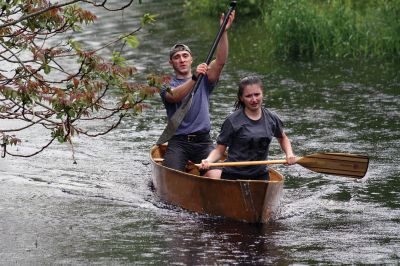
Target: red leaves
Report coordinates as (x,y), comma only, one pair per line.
(76,82)
(113,69)
(77,14)
(44,86)
(10,139)
(85,15)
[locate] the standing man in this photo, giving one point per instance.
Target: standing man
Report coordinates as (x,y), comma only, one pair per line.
(191,140)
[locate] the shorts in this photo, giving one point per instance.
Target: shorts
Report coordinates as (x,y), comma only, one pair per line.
(184,148)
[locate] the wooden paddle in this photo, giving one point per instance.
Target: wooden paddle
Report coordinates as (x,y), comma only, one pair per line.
(343,164)
(180,113)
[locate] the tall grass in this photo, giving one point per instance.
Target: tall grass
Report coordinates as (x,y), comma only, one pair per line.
(335,28)
(322,28)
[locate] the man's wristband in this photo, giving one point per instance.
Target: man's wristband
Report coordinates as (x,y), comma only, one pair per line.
(194,77)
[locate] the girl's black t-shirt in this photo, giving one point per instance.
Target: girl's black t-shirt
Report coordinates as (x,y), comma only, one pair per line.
(249,140)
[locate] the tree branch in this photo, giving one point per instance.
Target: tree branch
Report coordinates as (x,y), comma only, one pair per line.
(34,14)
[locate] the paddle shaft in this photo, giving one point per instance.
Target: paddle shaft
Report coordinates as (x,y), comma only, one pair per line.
(245,163)
(214,45)
(343,164)
(180,113)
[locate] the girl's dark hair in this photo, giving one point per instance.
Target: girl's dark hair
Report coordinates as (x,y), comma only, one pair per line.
(246,81)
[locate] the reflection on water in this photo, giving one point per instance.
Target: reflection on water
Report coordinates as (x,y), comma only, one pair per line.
(102,210)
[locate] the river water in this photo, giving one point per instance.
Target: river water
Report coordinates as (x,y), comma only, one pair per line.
(102,210)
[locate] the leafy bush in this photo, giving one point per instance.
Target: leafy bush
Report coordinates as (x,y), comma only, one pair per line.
(315,28)
(307,29)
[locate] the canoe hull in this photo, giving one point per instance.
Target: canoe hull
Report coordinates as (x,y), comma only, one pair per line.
(252,201)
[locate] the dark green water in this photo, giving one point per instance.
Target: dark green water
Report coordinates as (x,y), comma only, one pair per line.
(102,210)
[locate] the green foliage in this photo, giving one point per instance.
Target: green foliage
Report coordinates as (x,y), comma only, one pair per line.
(148,19)
(306,29)
(59,134)
(132,41)
(118,59)
(293,28)
(336,28)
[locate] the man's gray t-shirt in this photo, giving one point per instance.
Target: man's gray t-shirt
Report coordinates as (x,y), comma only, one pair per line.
(197,120)
(249,140)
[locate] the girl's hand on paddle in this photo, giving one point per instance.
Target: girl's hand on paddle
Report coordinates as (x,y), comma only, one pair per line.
(204,164)
(291,159)
(230,20)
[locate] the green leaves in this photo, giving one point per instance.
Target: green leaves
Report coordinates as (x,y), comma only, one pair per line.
(59,134)
(118,59)
(132,41)
(46,68)
(148,19)
(75,45)
(8,92)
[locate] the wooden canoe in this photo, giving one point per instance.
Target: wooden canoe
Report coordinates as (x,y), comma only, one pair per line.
(252,201)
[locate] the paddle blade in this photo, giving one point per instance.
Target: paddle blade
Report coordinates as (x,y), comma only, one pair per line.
(175,121)
(343,164)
